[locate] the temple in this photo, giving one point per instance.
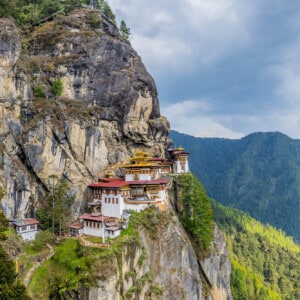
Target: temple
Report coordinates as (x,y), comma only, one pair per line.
(145,183)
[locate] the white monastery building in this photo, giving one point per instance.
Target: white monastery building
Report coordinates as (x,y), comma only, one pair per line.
(143,185)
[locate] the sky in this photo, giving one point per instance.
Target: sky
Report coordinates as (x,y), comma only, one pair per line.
(223,68)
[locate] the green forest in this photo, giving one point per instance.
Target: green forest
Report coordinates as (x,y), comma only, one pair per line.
(258,174)
(265,263)
(195,211)
(31,13)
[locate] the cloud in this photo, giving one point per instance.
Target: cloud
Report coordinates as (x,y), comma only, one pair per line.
(238,60)
(183,35)
(194,117)
(286,72)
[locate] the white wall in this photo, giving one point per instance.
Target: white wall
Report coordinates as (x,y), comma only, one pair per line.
(92,231)
(136,207)
(112,209)
(129,177)
(28,235)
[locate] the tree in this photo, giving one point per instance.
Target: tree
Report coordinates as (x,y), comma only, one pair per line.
(105,8)
(125,31)
(55,208)
(9,288)
(3,225)
(195,210)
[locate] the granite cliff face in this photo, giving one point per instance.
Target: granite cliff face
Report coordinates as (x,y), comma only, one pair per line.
(170,268)
(107,109)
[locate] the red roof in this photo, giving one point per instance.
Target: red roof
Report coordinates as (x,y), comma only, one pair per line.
(121,183)
(31,221)
(115,183)
(93,217)
(76,225)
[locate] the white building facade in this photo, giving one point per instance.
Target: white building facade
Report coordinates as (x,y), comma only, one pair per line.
(26,228)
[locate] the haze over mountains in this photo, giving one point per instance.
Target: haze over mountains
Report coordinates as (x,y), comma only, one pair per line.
(259,174)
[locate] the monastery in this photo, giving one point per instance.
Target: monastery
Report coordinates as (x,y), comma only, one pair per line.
(144,184)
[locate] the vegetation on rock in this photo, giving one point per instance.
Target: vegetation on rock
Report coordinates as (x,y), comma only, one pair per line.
(265,263)
(3,225)
(30,13)
(10,288)
(125,31)
(75,266)
(63,275)
(195,210)
(57,87)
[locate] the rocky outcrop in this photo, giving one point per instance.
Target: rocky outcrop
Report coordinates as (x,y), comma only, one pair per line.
(76,100)
(217,267)
(106,110)
(170,268)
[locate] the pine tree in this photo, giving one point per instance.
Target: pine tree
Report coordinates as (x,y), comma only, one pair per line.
(196,210)
(9,287)
(125,31)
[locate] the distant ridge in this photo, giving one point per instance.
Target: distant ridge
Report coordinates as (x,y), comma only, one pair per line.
(259,174)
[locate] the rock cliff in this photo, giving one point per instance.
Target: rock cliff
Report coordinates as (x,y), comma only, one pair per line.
(76,100)
(164,265)
(106,108)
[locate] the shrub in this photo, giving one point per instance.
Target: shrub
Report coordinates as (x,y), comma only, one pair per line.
(57,87)
(39,91)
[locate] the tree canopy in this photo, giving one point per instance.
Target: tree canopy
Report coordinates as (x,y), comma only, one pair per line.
(265,263)
(195,210)
(9,287)
(29,13)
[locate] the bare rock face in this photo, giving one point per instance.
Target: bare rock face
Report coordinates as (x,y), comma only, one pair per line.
(217,267)
(106,110)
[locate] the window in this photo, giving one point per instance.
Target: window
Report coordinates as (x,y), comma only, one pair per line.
(113,201)
(32,226)
(117,200)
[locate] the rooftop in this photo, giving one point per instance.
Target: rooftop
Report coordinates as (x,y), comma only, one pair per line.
(76,225)
(122,182)
(22,222)
(93,217)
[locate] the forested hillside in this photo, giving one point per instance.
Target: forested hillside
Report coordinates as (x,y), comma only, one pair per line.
(30,13)
(259,174)
(265,263)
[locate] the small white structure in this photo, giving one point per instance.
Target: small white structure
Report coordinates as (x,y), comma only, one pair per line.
(180,160)
(100,226)
(76,229)
(93,224)
(112,231)
(26,228)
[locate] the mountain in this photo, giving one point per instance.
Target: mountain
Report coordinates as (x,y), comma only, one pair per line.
(75,102)
(259,174)
(75,99)
(265,263)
